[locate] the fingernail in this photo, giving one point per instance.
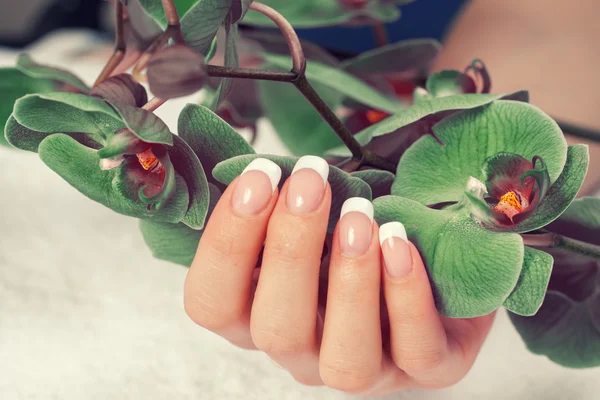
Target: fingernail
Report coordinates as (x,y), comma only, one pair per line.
(255,187)
(396,251)
(356,225)
(307,184)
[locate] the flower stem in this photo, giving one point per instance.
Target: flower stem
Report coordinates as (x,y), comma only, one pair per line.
(119,52)
(153,104)
(250,73)
(578,130)
(554,240)
(298,59)
(359,153)
(380,34)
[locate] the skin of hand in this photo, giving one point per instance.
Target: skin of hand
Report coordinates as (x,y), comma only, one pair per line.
(255,281)
(552,51)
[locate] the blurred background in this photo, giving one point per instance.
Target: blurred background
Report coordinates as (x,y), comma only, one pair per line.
(28,20)
(86,312)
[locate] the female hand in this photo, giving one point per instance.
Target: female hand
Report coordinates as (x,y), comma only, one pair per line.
(381,331)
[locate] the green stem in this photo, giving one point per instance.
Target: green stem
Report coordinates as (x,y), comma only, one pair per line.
(554,240)
(578,130)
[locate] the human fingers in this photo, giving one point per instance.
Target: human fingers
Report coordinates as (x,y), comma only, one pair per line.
(284,310)
(351,349)
(420,345)
(217,288)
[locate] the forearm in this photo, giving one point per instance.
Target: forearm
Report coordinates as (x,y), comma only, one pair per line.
(549,49)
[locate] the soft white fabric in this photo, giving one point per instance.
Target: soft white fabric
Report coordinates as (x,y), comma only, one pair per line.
(87,313)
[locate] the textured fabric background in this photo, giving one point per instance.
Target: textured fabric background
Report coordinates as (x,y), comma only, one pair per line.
(87,313)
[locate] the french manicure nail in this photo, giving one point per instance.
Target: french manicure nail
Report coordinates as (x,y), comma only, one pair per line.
(255,187)
(356,225)
(396,251)
(307,184)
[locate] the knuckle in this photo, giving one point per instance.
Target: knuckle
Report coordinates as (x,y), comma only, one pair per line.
(350,290)
(426,363)
(348,379)
(287,250)
(209,316)
(278,345)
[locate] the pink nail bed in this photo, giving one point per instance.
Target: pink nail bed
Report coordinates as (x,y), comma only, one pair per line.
(397,257)
(307,185)
(255,187)
(356,225)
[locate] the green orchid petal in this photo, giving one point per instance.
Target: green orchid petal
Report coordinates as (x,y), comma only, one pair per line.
(406,126)
(29,140)
(144,124)
(14,84)
(176,243)
(188,165)
(79,166)
(432,173)
(472,270)
(121,143)
(528,295)
(67,112)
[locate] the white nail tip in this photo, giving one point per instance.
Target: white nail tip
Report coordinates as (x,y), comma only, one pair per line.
(358,204)
(390,230)
(271,169)
(315,163)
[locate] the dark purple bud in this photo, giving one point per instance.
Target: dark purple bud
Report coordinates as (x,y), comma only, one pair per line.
(176,71)
(121,89)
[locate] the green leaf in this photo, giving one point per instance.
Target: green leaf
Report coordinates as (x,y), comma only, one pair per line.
(566,329)
(343,185)
(296,122)
(80,167)
(379,181)
(154,9)
(417,120)
(176,243)
(528,295)
(67,112)
(407,55)
(37,71)
(431,173)
(211,138)
(144,124)
(472,270)
(239,8)
(340,81)
(14,84)
(200,24)
(580,221)
(319,13)
(26,139)
(187,165)
(563,330)
(560,194)
(231,59)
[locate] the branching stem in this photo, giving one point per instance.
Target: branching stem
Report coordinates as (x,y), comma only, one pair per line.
(578,130)
(119,52)
(298,60)
(554,240)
